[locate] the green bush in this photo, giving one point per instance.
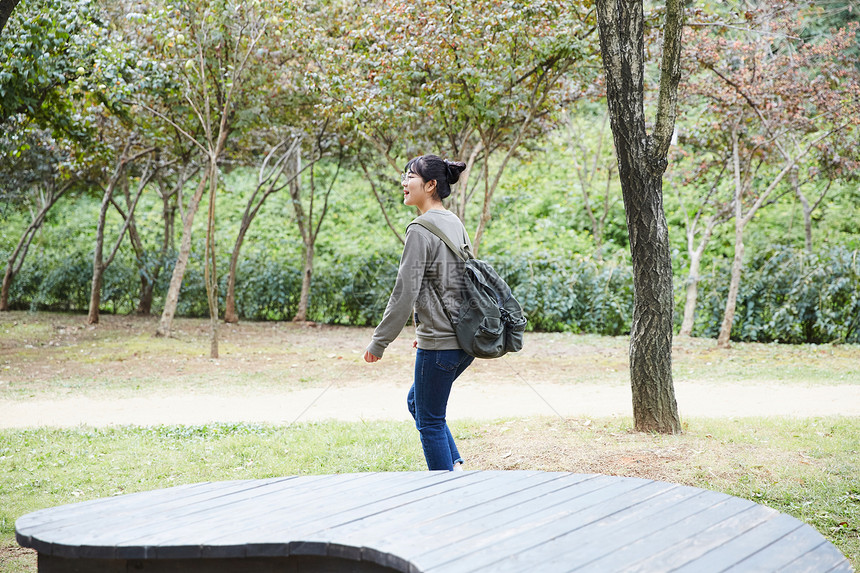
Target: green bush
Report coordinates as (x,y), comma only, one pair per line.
(266,289)
(787,295)
(578,294)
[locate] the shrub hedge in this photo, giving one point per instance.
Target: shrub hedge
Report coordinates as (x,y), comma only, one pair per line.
(786,295)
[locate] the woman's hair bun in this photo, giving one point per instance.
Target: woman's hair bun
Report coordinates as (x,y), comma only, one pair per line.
(454,170)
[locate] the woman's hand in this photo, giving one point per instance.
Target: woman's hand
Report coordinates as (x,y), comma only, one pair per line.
(368,357)
(415,343)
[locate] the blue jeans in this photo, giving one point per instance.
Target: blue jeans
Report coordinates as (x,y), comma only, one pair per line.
(435,372)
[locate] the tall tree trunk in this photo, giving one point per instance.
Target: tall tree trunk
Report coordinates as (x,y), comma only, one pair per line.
(369,176)
(641,163)
(172,298)
(460,197)
(147,279)
(16,259)
(807,207)
(307,274)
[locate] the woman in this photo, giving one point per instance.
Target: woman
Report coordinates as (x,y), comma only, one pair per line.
(428,270)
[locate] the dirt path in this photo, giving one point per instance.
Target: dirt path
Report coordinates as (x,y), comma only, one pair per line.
(54,371)
(388,403)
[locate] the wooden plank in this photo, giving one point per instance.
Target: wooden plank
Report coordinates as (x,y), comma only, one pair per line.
(780,553)
(582,545)
(434,515)
(54,518)
(843,567)
(325,514)
(180,539)
(131,534)
(100,528)
(342,508)
(524,527)
(111,514)
(720,546)
(736,510)
(186,536)
(614,530)
(445,532)
(824,557)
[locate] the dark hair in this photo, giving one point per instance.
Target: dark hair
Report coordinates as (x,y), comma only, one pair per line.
(433,167)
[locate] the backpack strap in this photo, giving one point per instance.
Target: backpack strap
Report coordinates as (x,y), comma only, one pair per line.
(463,255)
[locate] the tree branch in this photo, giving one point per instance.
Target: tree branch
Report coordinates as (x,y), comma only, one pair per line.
(670,76)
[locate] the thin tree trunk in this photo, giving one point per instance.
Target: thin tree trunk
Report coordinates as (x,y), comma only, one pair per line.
(461,200)
(210,269)
(693,278)
(741,222)
(98,254)
(807,207)
(307,275)
(99,264)
(692,295)
(147,281)
(231,316)
(370,180)
(149,277)
(172,298)
(734,286)
(536,100)
(309,230)
(485,209)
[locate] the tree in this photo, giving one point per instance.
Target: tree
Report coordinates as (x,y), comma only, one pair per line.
(100,263)
(711,212)
(61,79)
(772,101)
(309,221)
(834,159)
(45,197)
(213,59)
(478,80)
(641,163)
(269,182)
(169,183)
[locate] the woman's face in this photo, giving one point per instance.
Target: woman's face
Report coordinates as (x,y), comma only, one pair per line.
(415,191)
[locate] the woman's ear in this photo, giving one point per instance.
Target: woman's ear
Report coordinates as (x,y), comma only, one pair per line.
(432,187)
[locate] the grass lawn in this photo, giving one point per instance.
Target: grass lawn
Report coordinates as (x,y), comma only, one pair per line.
(807,468)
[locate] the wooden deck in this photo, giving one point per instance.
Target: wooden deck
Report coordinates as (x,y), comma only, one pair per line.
(426,522)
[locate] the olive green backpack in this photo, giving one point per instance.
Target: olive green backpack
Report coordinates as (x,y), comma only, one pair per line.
(491,321)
